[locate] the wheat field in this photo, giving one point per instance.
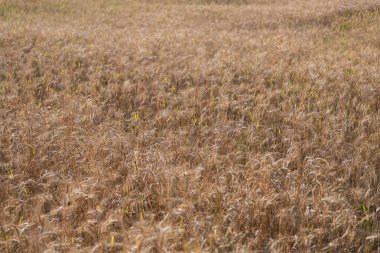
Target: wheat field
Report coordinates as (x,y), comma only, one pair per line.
(189,126)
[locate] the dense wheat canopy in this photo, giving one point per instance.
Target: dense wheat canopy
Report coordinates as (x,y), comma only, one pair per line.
(178,126)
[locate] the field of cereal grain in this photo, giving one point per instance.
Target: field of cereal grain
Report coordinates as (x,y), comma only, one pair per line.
(189,126)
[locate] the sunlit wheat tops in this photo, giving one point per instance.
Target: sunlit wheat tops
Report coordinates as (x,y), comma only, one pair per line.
(189,126)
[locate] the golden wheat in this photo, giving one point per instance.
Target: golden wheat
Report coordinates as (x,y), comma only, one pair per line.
(164,126)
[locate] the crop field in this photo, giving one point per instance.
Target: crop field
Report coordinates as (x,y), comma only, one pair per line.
(189,126)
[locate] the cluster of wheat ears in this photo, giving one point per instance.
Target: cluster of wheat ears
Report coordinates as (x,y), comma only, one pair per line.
(171,126)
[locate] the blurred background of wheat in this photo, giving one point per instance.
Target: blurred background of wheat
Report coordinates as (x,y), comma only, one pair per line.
(189,126)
